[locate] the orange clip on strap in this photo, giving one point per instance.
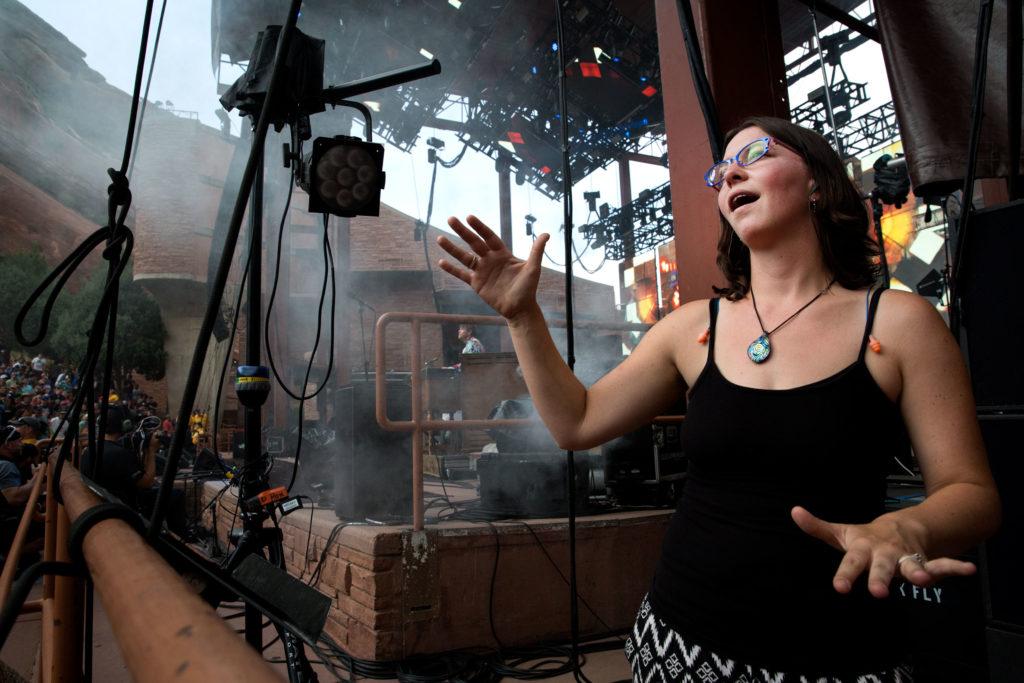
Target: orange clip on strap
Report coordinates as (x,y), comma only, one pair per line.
(704,336)
(874,344)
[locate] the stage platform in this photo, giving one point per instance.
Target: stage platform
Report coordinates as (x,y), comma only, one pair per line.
(398,593)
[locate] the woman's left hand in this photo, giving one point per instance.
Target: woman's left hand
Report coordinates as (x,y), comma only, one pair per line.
(884,548)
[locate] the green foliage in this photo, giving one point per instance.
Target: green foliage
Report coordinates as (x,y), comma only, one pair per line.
(140,328)
(20,274)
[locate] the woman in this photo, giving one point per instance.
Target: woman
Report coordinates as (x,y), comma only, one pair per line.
(802,384)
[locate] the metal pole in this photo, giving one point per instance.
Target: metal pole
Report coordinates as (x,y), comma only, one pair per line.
(417,435)
(251,481)
(505,205)
(826,85)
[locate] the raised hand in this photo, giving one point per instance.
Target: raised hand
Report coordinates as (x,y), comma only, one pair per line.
(506,283)
(884,547)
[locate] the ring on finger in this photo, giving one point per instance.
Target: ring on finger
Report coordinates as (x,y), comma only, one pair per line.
(916,557)
(472,264)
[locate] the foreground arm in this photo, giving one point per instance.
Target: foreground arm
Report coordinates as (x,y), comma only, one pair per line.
(962,505)
(640,388)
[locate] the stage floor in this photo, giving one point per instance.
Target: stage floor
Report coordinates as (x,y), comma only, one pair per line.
(397,593)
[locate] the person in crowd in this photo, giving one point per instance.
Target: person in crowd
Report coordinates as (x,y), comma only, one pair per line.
(121,471)
(803,381)
(470,344)
(14,463)
(18,475)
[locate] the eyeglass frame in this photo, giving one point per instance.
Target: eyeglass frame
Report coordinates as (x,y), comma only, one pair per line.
(769,142)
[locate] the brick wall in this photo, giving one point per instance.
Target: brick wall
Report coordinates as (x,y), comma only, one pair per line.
(381,610)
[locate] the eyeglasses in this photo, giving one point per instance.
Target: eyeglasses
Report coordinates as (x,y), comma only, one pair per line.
(748,154)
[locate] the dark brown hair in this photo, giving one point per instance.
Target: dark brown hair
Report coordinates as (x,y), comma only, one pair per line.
(840,220)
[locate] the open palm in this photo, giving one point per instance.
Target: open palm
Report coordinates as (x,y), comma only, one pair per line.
(506,283)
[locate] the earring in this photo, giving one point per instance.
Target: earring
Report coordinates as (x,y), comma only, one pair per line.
(814,206)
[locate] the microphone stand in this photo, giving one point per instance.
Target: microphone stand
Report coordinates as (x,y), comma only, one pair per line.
(253,480)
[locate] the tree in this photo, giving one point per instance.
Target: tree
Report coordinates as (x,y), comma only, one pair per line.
(140,327)
(20,274)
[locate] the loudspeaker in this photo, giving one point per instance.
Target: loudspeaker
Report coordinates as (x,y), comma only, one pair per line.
(373,474)
(531,484)
(991,320)
(1003,554)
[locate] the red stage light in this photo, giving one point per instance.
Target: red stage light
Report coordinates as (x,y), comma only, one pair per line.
(515,138)
(590,70)
(545,169)
(649,91)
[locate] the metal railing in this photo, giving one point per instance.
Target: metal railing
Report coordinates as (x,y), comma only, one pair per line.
(164,630)
(419,424)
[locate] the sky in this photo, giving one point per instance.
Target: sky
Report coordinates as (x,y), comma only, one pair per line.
(109,32)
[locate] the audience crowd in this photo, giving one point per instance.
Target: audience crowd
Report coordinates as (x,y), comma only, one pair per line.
(35,395)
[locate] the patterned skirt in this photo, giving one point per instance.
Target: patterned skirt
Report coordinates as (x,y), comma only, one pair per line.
(657,653)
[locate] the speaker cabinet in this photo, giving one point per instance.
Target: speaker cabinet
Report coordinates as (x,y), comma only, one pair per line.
(993,320)
(373,475)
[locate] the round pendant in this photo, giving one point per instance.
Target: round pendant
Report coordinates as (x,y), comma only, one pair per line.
(759,349)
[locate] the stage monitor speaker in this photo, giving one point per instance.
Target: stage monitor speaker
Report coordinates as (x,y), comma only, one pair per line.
(1004,552)
(373,474)
(531,484)
(992,318)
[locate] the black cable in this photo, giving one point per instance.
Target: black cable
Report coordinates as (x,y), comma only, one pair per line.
(149,80)
(967,194)
(301,396)
(700,78)
(314,577)
(328,268)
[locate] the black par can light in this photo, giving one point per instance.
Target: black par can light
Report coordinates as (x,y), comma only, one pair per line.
(345,176)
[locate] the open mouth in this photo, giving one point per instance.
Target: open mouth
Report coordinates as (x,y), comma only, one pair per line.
(742,199)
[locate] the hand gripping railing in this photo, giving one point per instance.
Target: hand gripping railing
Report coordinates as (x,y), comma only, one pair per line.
(418,424)
(164,630)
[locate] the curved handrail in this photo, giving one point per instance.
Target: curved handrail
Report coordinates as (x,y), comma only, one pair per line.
(14,556)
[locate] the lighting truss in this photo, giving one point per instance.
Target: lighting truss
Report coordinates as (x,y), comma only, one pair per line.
(638,227)
(528,97)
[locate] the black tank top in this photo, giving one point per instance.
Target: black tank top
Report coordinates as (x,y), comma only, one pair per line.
(736,574)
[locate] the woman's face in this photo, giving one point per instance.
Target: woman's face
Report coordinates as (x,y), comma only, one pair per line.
(779,183)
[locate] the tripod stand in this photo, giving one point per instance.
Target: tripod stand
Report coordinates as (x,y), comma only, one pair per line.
(254,539)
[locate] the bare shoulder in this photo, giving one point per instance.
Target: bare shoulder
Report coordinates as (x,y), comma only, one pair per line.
(904,318)
(678,335)
(692,316)
(919,338)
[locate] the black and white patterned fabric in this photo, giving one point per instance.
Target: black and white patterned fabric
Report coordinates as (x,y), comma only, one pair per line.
(658,654)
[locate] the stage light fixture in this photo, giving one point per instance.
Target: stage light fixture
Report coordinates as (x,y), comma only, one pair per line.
(457,4)
(344,176)
(591,198)
(530,220)
(426,53)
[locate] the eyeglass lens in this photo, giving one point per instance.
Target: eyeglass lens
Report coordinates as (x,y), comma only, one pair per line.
(746,156)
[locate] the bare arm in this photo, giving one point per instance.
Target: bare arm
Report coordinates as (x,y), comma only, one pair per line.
(962,507)
(19,495)
(641,387)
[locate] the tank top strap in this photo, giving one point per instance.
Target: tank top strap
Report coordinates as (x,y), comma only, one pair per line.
(873,297)
(713,310)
